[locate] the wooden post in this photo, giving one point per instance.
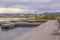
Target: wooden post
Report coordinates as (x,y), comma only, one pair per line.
(0,29)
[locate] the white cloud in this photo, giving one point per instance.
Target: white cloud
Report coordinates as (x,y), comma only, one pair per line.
(28,0)
(14,10)
(7,10)
(54,7)
(33,4)
(36,0)
(19,6)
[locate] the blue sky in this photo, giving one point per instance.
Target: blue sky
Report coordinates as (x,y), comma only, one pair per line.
(29,5)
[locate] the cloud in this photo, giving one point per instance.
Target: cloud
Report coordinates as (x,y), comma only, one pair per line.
(15,10)
(36,0)
(18,6)
(25,0)
(41,5)
(10,10)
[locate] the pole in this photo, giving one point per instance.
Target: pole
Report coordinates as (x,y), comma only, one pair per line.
(35,14)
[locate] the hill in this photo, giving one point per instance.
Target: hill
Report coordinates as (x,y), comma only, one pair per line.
(52,13)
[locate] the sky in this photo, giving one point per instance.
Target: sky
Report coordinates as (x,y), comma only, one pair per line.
(18,6)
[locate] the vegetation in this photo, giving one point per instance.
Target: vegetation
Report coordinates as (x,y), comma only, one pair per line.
(41,17)
(48,17)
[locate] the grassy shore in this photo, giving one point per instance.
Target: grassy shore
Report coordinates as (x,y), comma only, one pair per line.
(41,17)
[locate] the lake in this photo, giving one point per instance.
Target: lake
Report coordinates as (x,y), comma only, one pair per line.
(11,34)
(8,19)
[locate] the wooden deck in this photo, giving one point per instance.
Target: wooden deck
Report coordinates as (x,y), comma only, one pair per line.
(11,25)
(27,23)
(45,31)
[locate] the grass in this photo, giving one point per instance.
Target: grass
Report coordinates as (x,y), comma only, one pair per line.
(45,17)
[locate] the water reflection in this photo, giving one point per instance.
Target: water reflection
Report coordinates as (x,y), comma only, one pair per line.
(10,34)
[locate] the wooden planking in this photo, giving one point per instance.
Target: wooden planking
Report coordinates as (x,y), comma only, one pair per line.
(43,32)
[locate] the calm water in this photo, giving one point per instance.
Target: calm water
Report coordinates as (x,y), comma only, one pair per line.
(6,19)
(11,34)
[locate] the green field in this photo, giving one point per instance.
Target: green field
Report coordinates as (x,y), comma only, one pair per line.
(42,17)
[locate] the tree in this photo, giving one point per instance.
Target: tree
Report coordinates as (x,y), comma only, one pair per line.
(45,17)
(52,16)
